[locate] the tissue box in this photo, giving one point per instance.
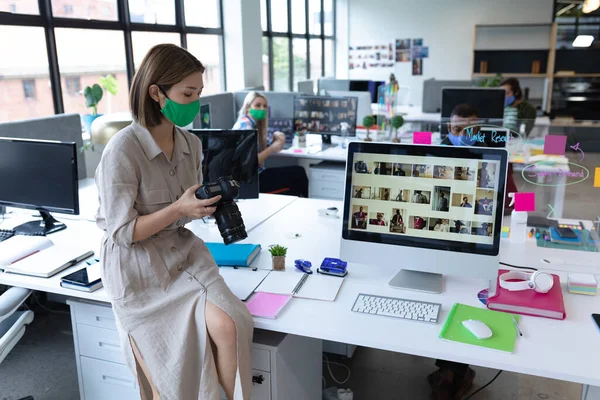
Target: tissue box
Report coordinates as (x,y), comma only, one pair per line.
(582,284)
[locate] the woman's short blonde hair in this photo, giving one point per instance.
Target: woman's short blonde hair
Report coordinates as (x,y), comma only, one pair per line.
(261,126)
(164,65)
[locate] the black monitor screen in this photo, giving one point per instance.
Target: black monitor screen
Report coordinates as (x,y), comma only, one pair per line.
(487,103)
(39,174)
(231,153)
(324,115)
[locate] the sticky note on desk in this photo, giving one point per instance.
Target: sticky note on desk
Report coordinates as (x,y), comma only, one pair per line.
(525,201)
(597,177)
(555,144)
(422,138)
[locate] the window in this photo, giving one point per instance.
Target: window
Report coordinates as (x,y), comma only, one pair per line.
(29,89)
(298,42)
(24,78)
(104,10)
(71,45)
(73,84)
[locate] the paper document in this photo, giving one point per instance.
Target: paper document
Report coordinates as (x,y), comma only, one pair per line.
(320,287)
(280,282)
(49,261)
(20,246)
(243,281)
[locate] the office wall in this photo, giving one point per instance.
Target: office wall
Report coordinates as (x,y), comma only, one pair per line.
(446,27)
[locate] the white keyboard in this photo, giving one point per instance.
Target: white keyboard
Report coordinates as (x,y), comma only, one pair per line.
(398,308)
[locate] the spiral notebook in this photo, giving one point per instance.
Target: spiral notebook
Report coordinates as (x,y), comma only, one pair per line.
(301,285)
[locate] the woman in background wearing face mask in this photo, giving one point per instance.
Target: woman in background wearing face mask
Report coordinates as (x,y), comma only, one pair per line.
(285,180)
(181,328)
(517,111)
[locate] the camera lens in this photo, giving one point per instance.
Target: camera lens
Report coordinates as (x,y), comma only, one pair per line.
(230,222)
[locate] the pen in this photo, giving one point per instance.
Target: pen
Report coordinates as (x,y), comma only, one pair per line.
(300,284)
(517,326)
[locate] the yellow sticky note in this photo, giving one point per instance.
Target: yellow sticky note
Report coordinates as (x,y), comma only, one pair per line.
(597,177)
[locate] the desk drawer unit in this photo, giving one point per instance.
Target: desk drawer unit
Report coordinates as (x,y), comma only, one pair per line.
(284,367)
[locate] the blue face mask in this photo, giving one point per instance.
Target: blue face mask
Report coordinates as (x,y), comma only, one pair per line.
(509,100)
(466,140)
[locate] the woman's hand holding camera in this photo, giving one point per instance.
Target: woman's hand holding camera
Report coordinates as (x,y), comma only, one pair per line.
(190,206)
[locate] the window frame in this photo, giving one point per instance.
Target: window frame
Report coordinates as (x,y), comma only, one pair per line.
(270,34)
(46,20)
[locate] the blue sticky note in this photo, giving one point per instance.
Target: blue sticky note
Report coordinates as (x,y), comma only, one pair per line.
(555,144)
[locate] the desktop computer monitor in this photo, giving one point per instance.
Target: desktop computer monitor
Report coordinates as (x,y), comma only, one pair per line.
(363,107)
(432,93)
(487,102)
(324,115)
(432,210)
(231,153)
(39,175)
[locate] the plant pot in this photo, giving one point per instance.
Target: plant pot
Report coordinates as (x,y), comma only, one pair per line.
(279,263)
(87,121)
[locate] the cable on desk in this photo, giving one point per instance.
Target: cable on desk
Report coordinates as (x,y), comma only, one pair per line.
(518,266)
(484,386)
(327,363)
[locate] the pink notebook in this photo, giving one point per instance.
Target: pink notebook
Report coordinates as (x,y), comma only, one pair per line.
(267,305)
(529,302)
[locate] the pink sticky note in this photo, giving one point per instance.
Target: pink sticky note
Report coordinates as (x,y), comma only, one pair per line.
(422,138)
(267,305)
(298,151)
(525,201)
(555,144)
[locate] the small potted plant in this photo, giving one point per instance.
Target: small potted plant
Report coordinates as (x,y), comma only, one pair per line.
(93,94)
(397,122)
(278,255)
(368,122)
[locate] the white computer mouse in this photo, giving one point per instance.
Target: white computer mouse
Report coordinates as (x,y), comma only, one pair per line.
(479,329)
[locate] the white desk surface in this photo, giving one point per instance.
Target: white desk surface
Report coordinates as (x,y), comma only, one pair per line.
(550,348)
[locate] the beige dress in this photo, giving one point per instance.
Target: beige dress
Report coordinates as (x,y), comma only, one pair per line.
(158,287)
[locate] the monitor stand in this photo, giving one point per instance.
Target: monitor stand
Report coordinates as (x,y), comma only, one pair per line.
(417,280)
(46,226)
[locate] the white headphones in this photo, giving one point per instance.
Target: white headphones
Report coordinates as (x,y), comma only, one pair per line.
(539,281)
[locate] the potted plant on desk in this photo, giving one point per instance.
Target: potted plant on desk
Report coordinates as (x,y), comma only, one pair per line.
(368,122)
(278,255)
(397,122)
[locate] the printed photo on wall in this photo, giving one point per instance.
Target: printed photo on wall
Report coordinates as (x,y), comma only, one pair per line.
(439,225)
(462,200)
(402,44)
(460,226)
(418,222)
(422,171)
(397,221)
(441,198)
(417,66)
(402,195)
(417,42)
(402,55)
(359,217)
(421,197)
(420,52)
(482,228)
(361,192)
(484,202)
(377,218)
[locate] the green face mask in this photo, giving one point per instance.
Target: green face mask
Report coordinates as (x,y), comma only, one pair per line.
(180,114)
(258,115)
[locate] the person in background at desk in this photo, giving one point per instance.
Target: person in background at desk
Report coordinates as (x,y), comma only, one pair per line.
(518,111)
(182,330)
(290,180)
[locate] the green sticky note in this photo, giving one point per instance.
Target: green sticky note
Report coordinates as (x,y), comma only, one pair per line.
(504,333)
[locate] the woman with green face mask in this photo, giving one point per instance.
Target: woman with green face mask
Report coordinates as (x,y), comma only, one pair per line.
(284,180)
(180,325)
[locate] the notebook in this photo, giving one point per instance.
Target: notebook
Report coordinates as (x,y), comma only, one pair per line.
(82,288)
(504,333)
(301,285)
(244,281)
(529,302)
(267,305)
(234,255)
(49,261)
(556,238)
(20,246)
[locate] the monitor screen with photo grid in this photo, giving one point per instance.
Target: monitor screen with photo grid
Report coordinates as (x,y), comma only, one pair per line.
(436,197)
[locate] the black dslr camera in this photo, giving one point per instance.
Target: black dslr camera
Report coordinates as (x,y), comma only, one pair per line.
(228,216)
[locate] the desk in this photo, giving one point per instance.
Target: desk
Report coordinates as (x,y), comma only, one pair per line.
(543,351)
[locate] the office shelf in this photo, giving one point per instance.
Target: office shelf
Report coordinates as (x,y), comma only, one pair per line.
(559,75)
(508,75)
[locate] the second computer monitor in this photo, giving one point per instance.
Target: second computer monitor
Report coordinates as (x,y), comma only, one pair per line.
(487,103)
(324,115)
(231,153)
(435,209)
